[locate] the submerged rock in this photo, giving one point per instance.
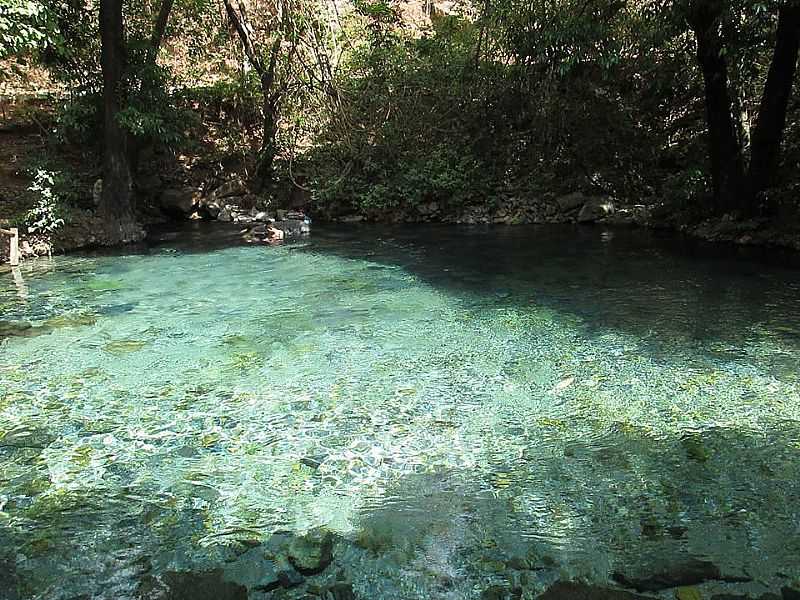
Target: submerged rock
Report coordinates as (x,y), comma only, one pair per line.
(312,553)
(570,590)
(9,582)
(767,596)
(340,591)
(15,328)
(210,585)
(124,346)
(498,592)
(254,571)
(688,593)
(290,579)
(688,573)
(314,462)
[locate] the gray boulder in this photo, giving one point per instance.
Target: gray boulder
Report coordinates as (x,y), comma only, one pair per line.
(234,187)
(209,208)
(209,585)
(179,202)
(595,209)
(570,202)
(312,553)
(293,227)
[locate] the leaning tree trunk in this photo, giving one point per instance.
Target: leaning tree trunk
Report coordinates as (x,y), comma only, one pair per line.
(160,26)
(727,165)
(766,141)
(115,203)
(271,96)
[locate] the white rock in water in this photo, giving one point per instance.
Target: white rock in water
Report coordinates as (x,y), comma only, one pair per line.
(562,385)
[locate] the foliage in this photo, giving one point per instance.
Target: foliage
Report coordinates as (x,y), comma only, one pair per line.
(150,113)
(461,114)
(24,26)
(78,120)
(47,214)
(381,112)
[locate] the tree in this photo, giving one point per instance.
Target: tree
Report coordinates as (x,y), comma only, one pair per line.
(264,56)
(119,148)
(735,186)
(115,204)
(775,101)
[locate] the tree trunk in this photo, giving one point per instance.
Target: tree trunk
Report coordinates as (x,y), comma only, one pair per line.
(136,144)
(160,26)
(271,97)
(115,203)
(266,157)
(771,122)
(727,165)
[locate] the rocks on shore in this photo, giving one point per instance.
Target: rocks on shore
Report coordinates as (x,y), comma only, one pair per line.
(595,209)
(178,202)
(575,207)
(285,565)
(233,202)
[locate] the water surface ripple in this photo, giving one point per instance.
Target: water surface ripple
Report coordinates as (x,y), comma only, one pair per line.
(595,401)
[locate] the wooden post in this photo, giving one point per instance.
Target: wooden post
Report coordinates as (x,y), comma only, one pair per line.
(13,245)
(13,253)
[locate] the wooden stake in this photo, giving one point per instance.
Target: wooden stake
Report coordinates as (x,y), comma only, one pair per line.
(13,254)
(13,247)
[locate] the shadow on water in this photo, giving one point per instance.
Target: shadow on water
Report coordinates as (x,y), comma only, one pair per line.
(691,516)
(555,521)
(658,286)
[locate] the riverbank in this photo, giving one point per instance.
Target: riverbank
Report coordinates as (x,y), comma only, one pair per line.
(193,186)
(232,202)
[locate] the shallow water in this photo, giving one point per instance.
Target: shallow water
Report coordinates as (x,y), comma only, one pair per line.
(595,401)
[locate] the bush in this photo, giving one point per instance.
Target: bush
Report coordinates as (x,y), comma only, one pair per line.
(48,213)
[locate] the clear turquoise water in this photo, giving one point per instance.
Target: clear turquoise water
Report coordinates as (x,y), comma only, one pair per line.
(445,398)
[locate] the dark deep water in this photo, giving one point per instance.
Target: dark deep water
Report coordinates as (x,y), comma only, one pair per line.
(461,408)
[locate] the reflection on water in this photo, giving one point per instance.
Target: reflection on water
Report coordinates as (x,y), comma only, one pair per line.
(453,404)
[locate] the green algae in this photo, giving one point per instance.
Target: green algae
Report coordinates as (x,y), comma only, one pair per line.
(124,346)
